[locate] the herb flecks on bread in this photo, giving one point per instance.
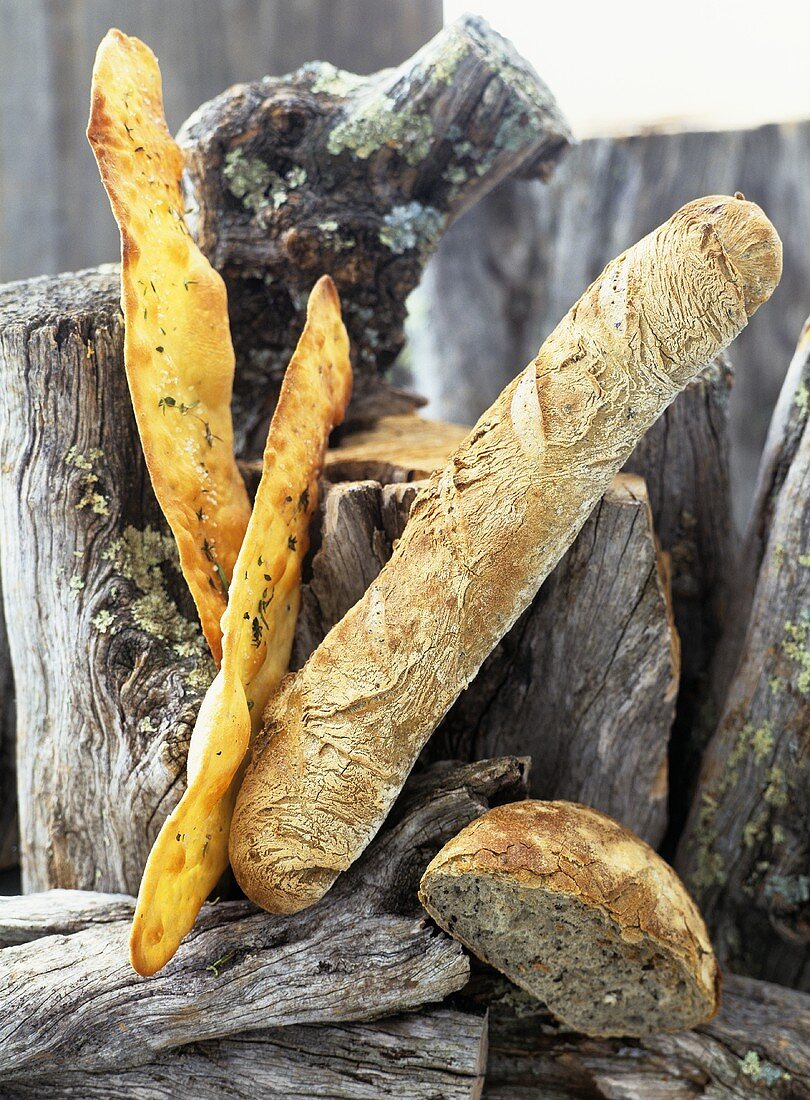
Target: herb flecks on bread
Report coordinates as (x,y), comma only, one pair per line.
(580,912)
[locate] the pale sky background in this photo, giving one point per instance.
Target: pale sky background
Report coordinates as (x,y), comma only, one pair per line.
(616,67)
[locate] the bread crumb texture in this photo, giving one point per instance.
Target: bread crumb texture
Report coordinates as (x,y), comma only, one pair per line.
(505,886)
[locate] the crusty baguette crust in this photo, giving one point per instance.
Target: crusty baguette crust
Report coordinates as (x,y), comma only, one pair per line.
(580,852)
(343,732)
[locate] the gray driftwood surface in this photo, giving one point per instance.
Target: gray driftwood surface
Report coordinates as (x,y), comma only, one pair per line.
(746,851)
(585,681)
(325,171)
(101,628)
(72,1002)
(9,849)
(427,1055)
(513,266)
(757,1046)
(684,459)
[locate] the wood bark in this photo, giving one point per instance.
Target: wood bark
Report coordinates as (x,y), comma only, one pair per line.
(746,850)
(524,254)
(63,223)
(9,834)
(585,681)
(757,1046)
(363,953)
(684,459)
(101,627)
(324,171)
(784,436)
(434,1053)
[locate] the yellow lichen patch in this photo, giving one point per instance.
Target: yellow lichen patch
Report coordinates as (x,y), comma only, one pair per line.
(191,851)
(177,349)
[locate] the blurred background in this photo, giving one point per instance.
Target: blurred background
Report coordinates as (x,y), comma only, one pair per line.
(668,103)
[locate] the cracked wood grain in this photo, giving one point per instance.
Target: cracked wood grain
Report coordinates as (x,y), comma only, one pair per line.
(323,171)
(433,1053)
(757,1046)
(684,459)
(9,834)
(365,952)
(101,628)
(746,850)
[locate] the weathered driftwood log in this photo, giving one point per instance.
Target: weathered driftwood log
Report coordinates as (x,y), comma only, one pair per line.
(101,628)
(524,254)
(30,917)
(684,459)
(437,1052)
(325,171)
(365,952)
(784,437)
(746,850)
(584,683)
(757,1046)
(9,850)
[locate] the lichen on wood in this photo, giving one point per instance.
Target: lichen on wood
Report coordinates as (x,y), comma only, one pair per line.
(119,665)
(746,850)
(356,176)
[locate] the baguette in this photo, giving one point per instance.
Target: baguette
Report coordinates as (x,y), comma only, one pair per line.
(342,734)
(581,913)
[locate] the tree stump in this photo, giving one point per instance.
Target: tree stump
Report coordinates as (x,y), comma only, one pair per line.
(101,627)
(9,850)
(746,850)
(584,683)
(358,177)
(684,459)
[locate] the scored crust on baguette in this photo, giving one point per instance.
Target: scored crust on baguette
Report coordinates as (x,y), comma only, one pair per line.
(581,913)
(343,732)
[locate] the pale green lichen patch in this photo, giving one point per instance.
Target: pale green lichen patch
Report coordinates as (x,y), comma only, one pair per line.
(776,790)
(257,186)
(383,124)
(103,621)
(328,226)
(802,399)
(75,584)
(804,559)
(140,557)
(762,742)
(792,890)
(442,68)
(753,744)
(760,1070)
(146,725)
(331,80)
(411,226)
(91,497)
(248,180)
(796,646)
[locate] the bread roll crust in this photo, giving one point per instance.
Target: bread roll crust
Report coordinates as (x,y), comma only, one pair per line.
(344,731)
(577,851)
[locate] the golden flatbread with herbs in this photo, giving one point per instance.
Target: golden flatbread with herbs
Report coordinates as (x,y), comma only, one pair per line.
(177,348)
(191,851)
